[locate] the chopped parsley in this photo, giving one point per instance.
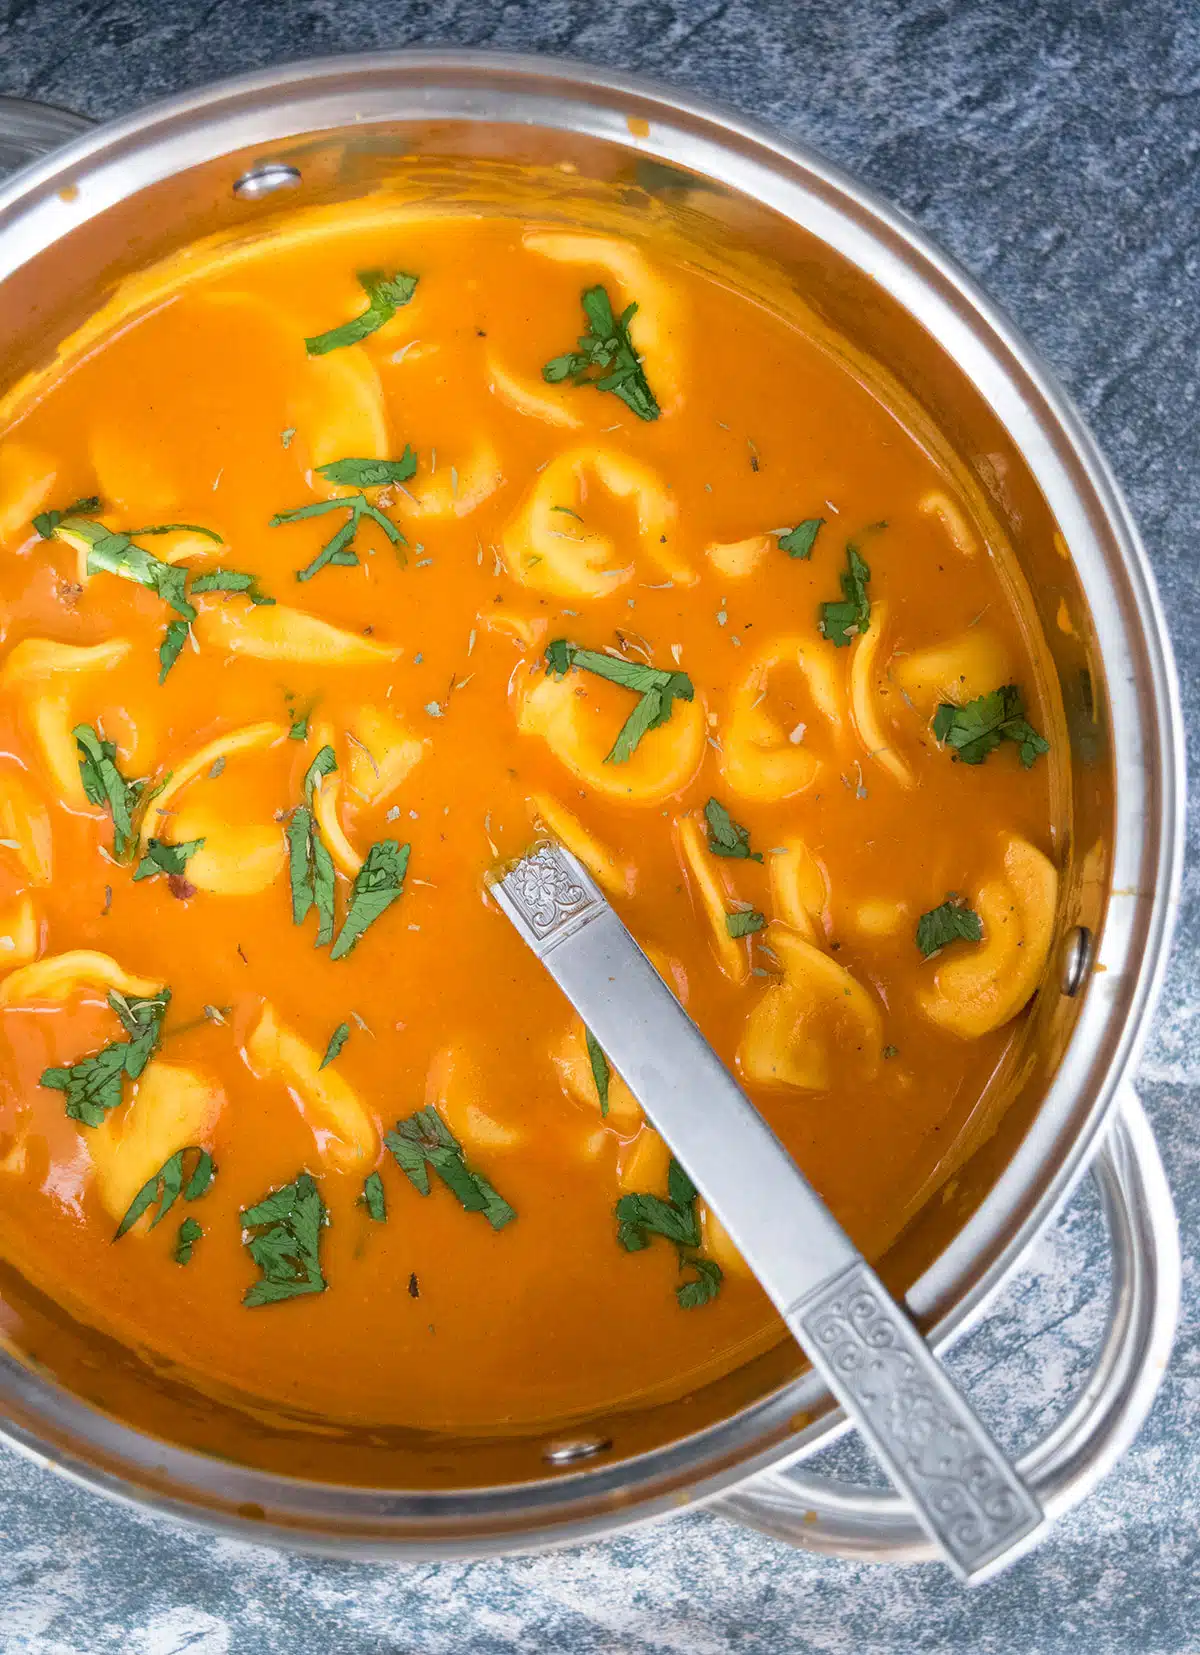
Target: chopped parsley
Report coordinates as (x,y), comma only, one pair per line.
(104,785)
(725,836)
(951,921)
(166,1186)
(337,1040)
(423,1141)
(798,542)
(373,1198)
(176,528)
(656,687)
(299,730)
(744,923)
(606,357)
(601,1073)
(282,1234)
(842,622)
(160,857)
(189,1234)
(339,547)
(47,521)
(376,886)
(640,1217)
(230,580)
(371,473)
(977,729)
(310,866)
(386,295)
(95,1084)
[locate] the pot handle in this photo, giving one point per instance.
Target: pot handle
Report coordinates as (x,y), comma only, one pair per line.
(30,130)
(875,1525)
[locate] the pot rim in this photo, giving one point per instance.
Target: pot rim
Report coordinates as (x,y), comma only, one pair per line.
(103,166)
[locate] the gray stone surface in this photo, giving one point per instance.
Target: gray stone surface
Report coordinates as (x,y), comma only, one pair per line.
(1053,147)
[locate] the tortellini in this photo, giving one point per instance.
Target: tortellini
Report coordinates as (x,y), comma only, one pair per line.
(326,796)
(530,396)
(657,328)
(25,826)
(708,884)
(864,699)
(382,755)
(978,987)
(799,889)
(455,1087)
(643,1164)
(346,1135)
(937,503)
(59,977)
(579,728)
(616,877)
(818,1019)
(760,758)
(173,1107)
(574,1067)
(456,490)
(26,479)
(549,546)
(736,559)
(44,675)
(972,664)
(20,932)
(275,632)
(236,859)
(718,1244)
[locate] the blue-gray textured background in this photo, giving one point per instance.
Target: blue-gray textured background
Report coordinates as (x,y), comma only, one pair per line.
(1053,147)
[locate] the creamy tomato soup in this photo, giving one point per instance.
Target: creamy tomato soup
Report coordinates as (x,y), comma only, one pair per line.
(337,568)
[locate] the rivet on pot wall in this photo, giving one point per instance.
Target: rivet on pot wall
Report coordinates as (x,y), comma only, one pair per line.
(1077,959)
(265,180)
(581,1448)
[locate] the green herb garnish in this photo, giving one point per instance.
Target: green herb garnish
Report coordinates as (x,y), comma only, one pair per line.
(725,836)
(166,1186)
(95,1084)
(744,922)
(189,1234)
(230,580)
(310,866)
(798,542)
(842,622)
(47,521)
(639,1217)
(601,1073)
(282,1235)
(371,473)
(337,1040)
(104,785)
(386,295)
(657,688)
(978,728)
(423,1141)
(160,857)
(338,549)
(376,886)
(951,921)
(373,1198)
(174,528)
(606,346)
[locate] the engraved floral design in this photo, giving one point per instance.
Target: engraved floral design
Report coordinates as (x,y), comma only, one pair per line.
(546,891)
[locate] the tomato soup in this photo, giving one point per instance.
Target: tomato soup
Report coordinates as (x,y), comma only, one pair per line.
(337,568)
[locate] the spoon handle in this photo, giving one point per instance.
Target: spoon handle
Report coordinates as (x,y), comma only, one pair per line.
(932,1445)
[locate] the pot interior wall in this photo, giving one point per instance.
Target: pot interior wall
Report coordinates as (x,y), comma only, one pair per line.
(587,179)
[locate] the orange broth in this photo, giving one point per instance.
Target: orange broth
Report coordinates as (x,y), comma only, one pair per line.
(203,408)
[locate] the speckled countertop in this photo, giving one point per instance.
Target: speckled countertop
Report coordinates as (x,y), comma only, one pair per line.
(1054,147)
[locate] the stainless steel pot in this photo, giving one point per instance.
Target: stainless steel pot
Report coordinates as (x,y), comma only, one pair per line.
(111,199)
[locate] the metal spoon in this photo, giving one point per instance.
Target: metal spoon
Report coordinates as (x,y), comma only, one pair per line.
(962,1488)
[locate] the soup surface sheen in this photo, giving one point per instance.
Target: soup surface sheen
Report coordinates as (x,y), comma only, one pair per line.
(419,696)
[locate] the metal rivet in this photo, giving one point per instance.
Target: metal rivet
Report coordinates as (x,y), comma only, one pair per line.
(265,180)
(1077,959)
(579,1448)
